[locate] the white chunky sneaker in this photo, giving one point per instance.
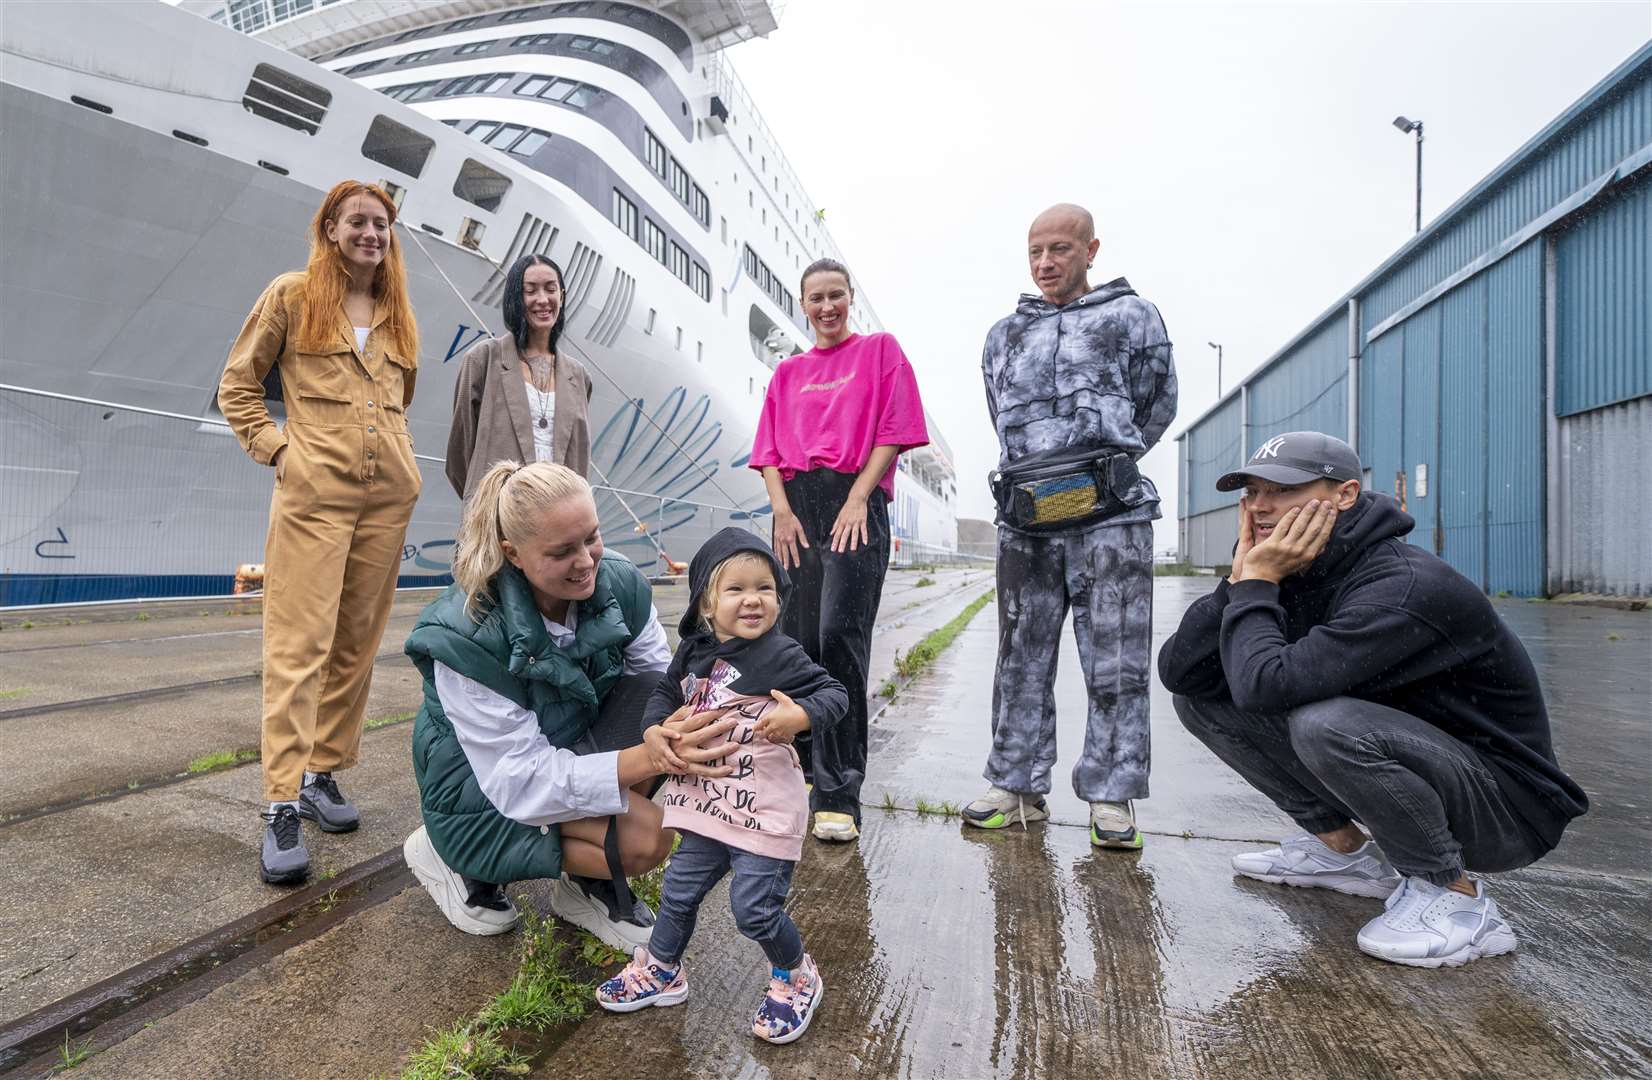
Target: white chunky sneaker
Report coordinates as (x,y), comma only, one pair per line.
(1113,825)
(999,808)
(1306,862)
(448,890)
(1428,926)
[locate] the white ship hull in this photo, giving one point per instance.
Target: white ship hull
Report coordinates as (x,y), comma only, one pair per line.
(133,255)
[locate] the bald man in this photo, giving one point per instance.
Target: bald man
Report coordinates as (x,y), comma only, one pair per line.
(1080,383)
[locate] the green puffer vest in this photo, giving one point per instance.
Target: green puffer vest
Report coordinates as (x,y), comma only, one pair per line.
(510,652)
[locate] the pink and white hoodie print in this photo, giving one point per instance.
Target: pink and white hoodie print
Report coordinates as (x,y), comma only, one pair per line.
(762,807)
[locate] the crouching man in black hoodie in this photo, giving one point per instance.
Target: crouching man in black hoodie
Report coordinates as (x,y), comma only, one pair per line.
(1356,679)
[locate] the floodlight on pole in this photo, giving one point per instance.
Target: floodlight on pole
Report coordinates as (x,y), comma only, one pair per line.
(1409,126)
(1218,349)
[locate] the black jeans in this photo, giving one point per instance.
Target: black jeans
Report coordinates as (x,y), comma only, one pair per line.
(833,604)
(1426,798)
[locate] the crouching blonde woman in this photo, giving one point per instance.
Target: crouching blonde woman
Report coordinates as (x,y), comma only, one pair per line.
(529,751)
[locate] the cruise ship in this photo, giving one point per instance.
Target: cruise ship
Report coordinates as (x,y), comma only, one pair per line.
(162,164)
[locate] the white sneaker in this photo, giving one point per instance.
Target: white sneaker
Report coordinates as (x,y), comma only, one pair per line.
(1306,862)
(571,904)
(999,808)
(836,827)
(1113,825)
(448,890)
(1428,926)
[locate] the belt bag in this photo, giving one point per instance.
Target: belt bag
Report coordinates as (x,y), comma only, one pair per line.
(1063,489)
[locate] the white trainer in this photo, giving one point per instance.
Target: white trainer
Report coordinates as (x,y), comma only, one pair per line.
(1424,925)
(571,904)
(448,890)
(999,808)
(1305,861)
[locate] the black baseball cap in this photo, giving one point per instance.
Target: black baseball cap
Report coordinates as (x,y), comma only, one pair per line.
(1296,457)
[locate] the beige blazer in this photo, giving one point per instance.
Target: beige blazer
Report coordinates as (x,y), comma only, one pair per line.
(491,420)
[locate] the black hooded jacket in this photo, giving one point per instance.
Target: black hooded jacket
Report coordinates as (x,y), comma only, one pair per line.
(770,662)
(1382,620)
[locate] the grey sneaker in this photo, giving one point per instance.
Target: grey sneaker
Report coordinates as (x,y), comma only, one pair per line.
(321,801)
(450,893)
(1428,926)
(284,859)
(1306,862)
(584,902)
(1113,825)
(999,808)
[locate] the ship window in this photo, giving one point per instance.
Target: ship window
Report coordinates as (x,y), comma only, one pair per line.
(505,135)
(534,86)
(679,181)
(530,143)
(582,96)
(532,40)
(398,146)
(409,35)
(702,206)
(653,240)
(481,185)
(455,122)
(625,214)
(286,99)
(461,24)
(679,262)
(495,83)
(583,44)
(482,129)
(472,47)
(416,57)
(520,14)
(653,153)
(701,282)
(559,89)
(357,69)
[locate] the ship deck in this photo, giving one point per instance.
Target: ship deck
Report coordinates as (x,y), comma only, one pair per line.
(135,920)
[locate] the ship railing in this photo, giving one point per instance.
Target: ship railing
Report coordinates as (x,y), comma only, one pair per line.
(190,547)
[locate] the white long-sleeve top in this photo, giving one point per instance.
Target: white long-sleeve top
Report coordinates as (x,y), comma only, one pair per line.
(522,774)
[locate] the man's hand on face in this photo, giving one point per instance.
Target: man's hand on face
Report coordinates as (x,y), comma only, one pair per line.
(1296,542)
(1247,540)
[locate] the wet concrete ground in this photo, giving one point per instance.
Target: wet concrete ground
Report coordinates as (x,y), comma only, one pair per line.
(951,952)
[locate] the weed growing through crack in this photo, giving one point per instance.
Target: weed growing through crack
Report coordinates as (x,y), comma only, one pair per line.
(464,1050)
(921,655)
(11,695)
(72,1053)
(923,582)
(925,807)
(949,809)
(386,721)
(889,801)
(220,759)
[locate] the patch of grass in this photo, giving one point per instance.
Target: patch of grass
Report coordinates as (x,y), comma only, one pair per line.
(133,785)
(1613,637)
(220,759)
(329,901)
(143,616)
(923,582)
(385,721)
(887,689)
(465,1051)
(949,809)
(925,807)
(10,695)
(27,624)
(921,655)
(889,801)
(327,874)
(72,1053)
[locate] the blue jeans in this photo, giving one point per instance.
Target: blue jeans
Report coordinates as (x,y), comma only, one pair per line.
(757,894)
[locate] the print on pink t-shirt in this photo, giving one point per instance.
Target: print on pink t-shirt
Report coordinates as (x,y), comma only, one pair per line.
(827,409)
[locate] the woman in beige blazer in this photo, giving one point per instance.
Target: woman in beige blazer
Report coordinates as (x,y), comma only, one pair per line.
(517,398)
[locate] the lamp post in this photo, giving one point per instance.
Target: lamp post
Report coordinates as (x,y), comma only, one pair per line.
(1409,126)
(1218,349)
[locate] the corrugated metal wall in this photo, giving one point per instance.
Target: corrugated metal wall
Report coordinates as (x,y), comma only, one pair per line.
(1603,322)
(1306,390)
(1213,448)
(1207,539)
(1459,387)
(1606,501)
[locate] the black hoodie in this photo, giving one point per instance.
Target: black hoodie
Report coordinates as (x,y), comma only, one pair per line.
(1382,620)
(770,662)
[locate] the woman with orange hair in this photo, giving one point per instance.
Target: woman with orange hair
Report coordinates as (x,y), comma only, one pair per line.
(342,337)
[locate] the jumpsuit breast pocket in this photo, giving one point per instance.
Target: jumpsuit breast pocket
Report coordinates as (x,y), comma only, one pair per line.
(321,390)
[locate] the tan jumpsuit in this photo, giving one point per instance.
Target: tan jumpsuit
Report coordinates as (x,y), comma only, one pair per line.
(338,518)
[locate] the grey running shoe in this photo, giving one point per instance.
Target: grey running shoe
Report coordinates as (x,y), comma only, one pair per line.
(321,801)
(450,893)
(1306,862)
(1113,825)
(587,904)
(999,808)
(1424,925)
(284,859)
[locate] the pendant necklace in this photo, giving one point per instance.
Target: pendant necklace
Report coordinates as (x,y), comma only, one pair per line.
(539,367)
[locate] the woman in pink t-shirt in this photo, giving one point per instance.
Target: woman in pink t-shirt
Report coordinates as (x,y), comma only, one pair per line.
(834,420)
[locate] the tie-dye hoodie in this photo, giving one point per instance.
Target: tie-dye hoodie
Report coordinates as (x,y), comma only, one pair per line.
(1095,372)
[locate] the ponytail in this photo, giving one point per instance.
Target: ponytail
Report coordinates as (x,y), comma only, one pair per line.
(508,504)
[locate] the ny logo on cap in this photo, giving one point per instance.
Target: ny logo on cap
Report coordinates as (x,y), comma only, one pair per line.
(1269,449)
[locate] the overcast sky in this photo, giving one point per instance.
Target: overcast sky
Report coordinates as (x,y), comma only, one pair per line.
(1239,158)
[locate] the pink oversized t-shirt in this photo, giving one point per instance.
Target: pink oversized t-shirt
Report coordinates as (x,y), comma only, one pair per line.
(827,409)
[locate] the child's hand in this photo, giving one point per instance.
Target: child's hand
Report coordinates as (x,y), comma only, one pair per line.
(662,752)
(784,721)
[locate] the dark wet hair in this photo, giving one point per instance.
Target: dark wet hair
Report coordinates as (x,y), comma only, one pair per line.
(824,266)
(516,313)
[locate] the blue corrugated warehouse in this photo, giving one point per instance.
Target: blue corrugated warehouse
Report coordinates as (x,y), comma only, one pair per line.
(1495,373)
